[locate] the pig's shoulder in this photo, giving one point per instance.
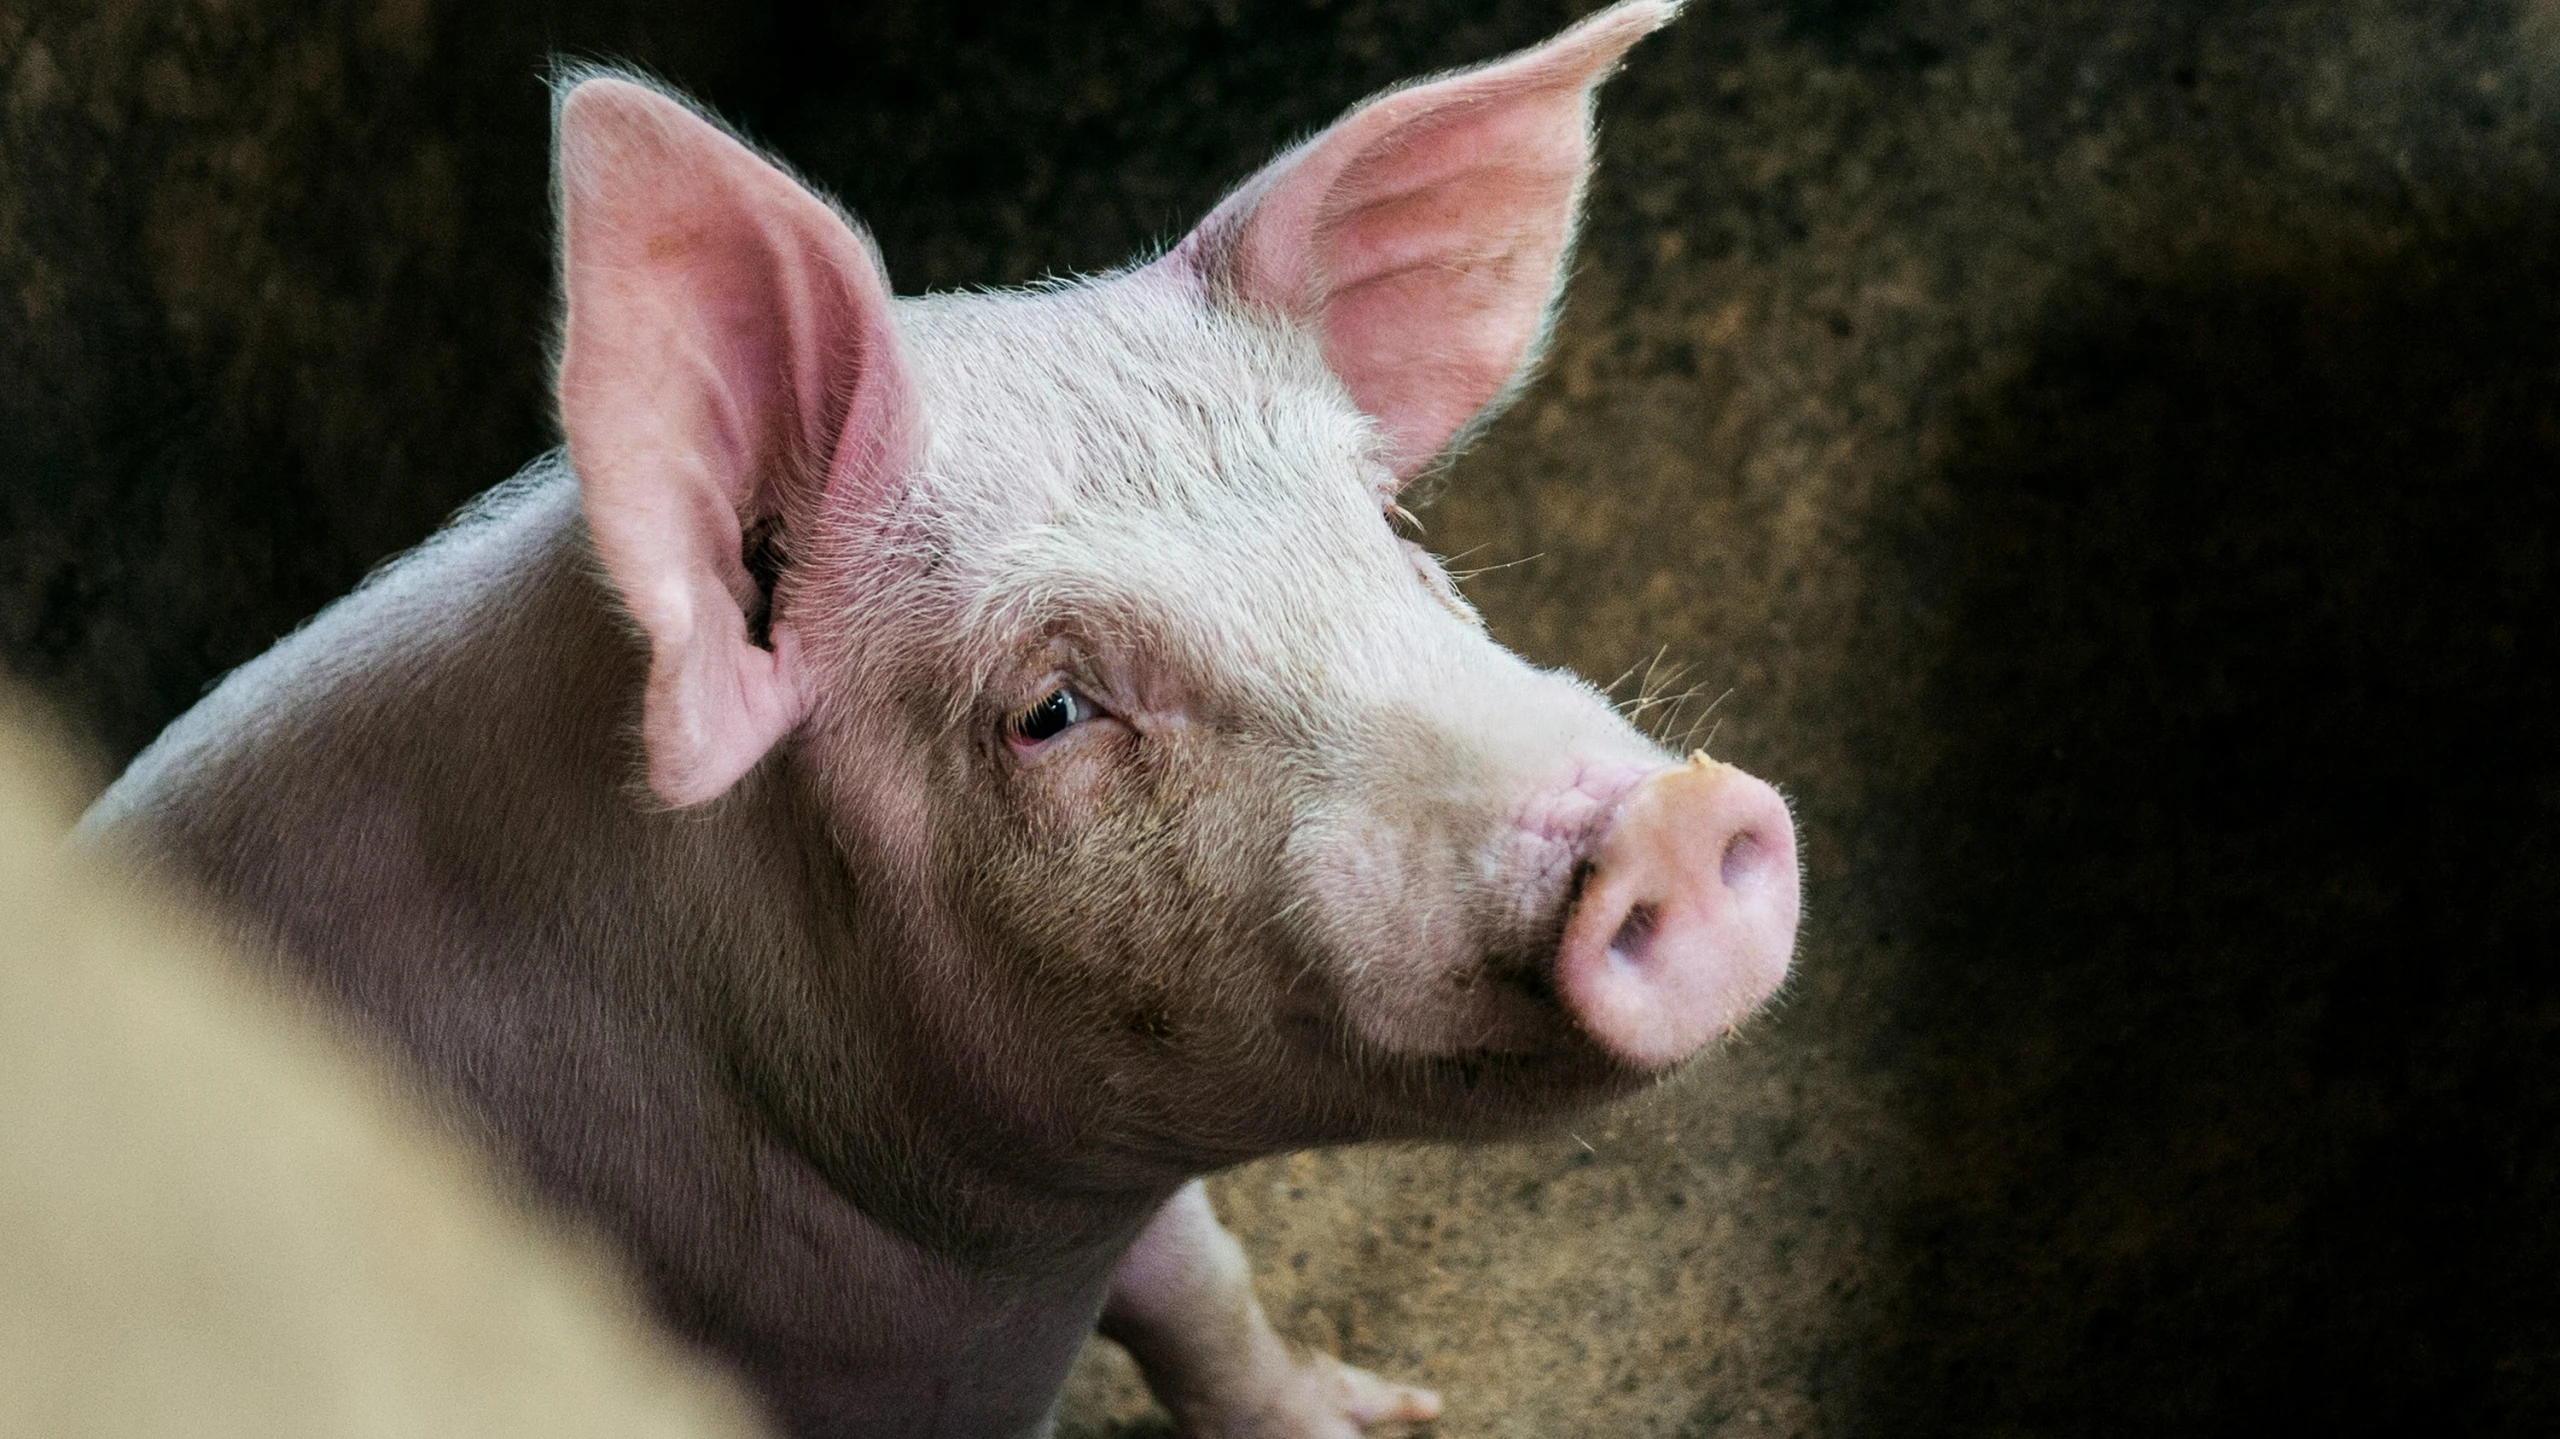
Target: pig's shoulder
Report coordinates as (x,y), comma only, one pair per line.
(459,665)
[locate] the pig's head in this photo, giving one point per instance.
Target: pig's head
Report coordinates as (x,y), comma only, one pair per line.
(1202,813)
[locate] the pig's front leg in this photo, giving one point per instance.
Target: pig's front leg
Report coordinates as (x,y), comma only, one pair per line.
(1182,1304)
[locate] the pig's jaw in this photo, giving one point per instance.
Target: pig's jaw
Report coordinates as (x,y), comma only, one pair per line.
(1060,1105)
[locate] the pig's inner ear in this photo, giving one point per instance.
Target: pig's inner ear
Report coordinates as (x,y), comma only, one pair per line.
(729,368)
(1424,234)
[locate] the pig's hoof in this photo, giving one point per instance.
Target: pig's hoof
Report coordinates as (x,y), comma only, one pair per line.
(1320,1397)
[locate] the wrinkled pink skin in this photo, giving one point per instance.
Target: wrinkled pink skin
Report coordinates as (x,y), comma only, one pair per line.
(888,1040)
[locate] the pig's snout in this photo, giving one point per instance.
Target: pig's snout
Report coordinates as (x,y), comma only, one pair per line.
(1687,918)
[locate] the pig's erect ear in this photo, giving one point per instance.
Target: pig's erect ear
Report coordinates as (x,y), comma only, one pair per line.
(729,367)
(1424,234)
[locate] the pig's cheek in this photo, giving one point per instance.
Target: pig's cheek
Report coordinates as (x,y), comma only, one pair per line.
(1403,961)
(1453,1010)
(1061,788)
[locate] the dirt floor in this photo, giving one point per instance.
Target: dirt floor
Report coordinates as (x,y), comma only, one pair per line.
(2097,457)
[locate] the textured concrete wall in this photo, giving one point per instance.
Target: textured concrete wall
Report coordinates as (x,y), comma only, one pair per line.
(2098,457)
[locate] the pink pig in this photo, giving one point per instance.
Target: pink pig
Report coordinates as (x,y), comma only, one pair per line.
(924,780)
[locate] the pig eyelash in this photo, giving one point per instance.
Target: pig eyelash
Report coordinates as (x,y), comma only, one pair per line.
(1048,717)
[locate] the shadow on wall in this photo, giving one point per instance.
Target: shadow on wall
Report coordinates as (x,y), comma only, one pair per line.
(2238,1081)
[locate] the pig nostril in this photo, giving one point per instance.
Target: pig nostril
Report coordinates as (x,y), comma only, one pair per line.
(1741,859)
(1634,937)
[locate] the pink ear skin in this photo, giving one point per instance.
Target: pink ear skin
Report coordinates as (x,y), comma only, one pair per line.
(729,360)
(1424,234)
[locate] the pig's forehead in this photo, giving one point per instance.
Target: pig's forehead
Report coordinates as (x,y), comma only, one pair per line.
(1118,458)
(1249,602)
(1128,400)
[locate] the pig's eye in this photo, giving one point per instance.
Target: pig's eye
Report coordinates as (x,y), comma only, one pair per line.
(1060,710)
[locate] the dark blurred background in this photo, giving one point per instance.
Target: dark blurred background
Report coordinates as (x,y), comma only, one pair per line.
(2098,456)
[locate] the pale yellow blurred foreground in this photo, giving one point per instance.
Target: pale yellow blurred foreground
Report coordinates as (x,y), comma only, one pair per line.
(217,1220)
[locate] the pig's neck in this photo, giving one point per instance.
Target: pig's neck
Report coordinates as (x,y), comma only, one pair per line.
(697,1027)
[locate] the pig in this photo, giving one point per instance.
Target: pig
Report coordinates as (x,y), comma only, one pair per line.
(920,782)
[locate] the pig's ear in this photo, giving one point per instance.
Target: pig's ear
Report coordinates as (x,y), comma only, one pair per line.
(1424,234)
(728,367)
